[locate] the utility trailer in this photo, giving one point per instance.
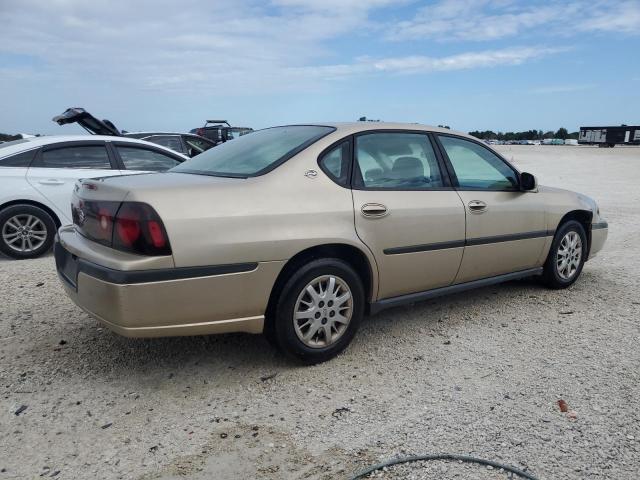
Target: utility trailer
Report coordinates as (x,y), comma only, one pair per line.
(610,136)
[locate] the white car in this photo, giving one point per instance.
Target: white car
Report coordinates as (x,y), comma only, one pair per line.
(37,176)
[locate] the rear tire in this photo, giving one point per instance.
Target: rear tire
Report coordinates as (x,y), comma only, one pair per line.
(26,231)
(318,311)
(566,256)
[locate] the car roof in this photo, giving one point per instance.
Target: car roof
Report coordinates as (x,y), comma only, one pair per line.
(155,133)
(355,127)
(36,142)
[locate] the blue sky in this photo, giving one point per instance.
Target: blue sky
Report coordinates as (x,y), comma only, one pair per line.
(484,64)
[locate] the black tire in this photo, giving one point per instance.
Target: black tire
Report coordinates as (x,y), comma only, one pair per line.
(551,276)
(19,210)
(282,329)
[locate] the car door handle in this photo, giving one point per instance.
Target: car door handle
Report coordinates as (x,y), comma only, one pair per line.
(51,181)
(374,210)
(477,206)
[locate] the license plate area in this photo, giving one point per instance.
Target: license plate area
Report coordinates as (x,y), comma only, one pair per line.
(67,265)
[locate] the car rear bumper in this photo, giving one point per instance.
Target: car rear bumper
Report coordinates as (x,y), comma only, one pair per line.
(166,301)
(599,233)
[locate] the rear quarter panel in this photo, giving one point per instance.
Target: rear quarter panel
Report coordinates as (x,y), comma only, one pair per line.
(267,218)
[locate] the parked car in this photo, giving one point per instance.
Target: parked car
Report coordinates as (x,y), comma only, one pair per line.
(220,131)
(184,143)
(298,231)
(37,177)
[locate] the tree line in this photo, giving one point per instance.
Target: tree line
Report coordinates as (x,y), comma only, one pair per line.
(5,137)
(562,133)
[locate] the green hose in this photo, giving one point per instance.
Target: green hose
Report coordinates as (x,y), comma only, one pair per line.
(443,456)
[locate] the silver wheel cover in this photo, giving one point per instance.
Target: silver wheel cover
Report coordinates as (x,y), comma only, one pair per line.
(323,311)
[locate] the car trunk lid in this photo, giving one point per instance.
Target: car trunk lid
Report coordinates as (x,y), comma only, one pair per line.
(86,121)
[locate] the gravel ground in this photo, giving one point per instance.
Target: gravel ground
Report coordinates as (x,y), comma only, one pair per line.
(474,374)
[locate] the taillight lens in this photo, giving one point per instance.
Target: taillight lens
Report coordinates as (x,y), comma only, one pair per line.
(95,219)
(129,226)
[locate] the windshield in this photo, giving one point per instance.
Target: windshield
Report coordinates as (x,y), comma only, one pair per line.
(255,154)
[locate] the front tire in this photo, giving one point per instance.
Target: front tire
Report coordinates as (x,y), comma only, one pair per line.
(319,311)
(26,231)
(566,256)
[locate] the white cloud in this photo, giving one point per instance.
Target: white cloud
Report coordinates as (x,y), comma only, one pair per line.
(550,89)
(622,17)
(235,46)
(416,64)
(484,20)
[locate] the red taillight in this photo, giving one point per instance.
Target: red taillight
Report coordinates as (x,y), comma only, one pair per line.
(95,219)
(129,226)
(157,235)
(138,229)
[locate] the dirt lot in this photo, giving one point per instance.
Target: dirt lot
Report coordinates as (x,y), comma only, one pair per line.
(478,374)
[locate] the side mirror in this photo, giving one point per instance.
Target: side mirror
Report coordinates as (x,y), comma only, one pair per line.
(527,182)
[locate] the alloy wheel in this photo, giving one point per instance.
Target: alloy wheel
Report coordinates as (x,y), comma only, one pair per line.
(569,255)
(24,233)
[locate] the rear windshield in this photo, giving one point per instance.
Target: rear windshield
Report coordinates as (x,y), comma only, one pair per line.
(255,153)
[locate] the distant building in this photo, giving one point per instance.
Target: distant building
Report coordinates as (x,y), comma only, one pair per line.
(610,136)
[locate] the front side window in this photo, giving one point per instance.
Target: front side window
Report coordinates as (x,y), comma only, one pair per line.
(397,161)
(477,167)
(81,156)
(136,158)
(335,163)
(255,154)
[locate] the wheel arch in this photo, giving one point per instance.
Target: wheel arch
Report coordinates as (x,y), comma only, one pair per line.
(351,254)
(33,203)
(584,218)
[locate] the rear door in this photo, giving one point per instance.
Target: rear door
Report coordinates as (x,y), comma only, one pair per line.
(506,227)
(56,168)
(406,211)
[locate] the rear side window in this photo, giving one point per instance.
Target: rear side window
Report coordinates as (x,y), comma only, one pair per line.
(135,158)
(396,161)
(336,161)
(19,159)
(81,156)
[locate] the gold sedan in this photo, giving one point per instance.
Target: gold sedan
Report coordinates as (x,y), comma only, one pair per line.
(298,231)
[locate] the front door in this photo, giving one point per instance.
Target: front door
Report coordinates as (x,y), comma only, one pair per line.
(406,212)
(506,227)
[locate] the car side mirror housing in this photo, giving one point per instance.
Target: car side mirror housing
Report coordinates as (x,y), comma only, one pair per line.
(528,182)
